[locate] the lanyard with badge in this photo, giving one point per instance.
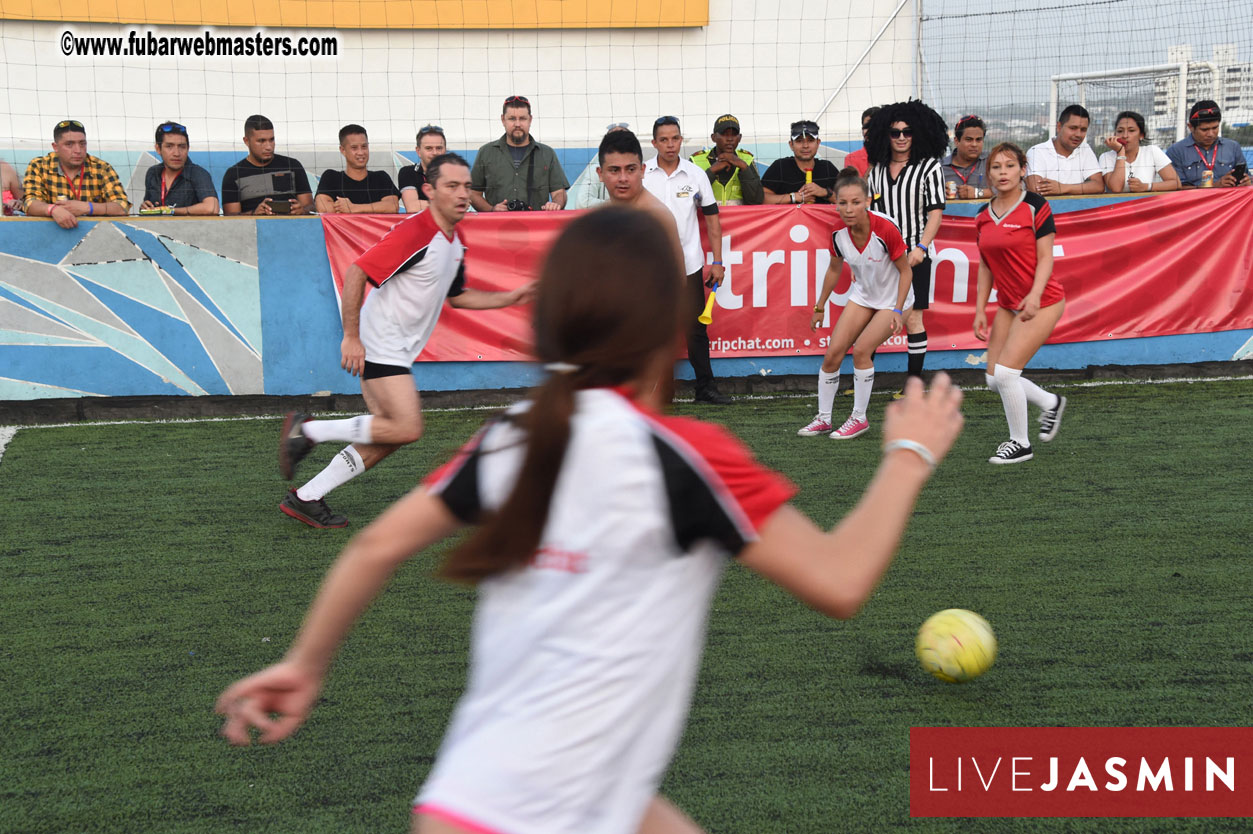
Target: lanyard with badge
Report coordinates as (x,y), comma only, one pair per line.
(1208,163)
(164,190)
(76,191)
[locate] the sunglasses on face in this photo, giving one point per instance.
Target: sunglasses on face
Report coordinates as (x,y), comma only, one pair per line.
(518,100)
(436,129)
(897,134)
(74,123)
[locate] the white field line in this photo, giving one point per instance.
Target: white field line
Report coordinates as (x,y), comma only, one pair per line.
(8,432)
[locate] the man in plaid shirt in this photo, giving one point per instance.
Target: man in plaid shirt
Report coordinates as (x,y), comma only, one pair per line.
(70,183)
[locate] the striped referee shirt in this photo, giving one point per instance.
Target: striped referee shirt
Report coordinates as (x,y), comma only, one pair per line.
(917,190)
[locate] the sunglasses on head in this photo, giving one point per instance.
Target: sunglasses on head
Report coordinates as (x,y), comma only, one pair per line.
(965,119)
(1200,115)
(618,126)
(436,129)
(172,127)
(666,120)
(800,129)
(74,123)
(897,133)
(518,100)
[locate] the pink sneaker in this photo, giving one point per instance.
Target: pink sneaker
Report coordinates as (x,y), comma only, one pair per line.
(816,426)
(852,428)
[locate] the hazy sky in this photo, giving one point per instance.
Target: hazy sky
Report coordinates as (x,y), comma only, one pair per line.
(980,53)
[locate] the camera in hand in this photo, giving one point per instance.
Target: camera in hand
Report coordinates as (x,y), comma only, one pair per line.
(517,205)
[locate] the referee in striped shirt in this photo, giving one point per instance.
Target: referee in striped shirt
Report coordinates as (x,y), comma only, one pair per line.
(904,143)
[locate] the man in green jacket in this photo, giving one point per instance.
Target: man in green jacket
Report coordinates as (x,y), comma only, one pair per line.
(731,171)
(516,173)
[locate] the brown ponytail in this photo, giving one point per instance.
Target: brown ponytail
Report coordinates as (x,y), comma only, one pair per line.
(609,298)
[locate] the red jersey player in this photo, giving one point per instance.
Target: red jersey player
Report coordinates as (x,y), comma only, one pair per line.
(1015,234)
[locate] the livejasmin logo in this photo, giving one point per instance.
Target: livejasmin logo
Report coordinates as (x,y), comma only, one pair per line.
(1081,771)
(1021,772)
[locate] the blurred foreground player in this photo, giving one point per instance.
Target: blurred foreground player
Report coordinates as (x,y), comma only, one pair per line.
(604,530)
(414,268)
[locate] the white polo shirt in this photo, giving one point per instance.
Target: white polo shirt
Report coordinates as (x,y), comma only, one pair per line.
(682,192)
(1043,160)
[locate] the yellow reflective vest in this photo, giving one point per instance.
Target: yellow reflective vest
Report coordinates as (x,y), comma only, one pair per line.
(731,193)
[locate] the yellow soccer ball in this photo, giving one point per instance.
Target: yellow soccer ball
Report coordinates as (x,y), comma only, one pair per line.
(956,645)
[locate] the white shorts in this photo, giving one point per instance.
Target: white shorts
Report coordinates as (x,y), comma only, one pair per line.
(877,298)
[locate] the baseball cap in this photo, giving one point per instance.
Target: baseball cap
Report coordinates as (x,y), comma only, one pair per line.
(726,121)
(804,128)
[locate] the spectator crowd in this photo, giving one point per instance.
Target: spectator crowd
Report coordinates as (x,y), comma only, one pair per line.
(519,173)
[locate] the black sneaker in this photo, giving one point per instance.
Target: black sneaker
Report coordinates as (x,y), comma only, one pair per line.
(313,513)
(1011,451)
(1051,420)
(712,396)
(293,445)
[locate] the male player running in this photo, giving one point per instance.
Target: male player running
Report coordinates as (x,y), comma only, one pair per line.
(414,268)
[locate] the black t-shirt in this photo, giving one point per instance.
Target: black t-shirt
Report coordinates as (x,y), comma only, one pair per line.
(412,176)
(784,176)
(247,184)
(375,186)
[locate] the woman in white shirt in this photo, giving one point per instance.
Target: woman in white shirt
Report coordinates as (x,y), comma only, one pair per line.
(1131,165)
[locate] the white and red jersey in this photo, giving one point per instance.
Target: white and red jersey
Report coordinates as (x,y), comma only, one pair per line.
(876,280)
(1008,246)
(583,663)
(413,268)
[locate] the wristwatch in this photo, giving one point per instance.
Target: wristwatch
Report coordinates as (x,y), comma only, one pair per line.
(978,193)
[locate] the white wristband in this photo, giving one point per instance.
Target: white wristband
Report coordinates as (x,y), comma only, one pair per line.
(913,446)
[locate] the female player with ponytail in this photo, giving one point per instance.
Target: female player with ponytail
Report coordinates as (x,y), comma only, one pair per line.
(878,302)
(1015,232)
(602,530)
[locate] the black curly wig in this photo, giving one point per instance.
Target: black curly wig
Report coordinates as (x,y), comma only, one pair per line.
(930,132)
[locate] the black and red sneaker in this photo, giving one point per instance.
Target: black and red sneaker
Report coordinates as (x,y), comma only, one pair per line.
(313,513)
(292,444)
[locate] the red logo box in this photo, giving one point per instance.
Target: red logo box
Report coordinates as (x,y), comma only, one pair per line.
(1081,771)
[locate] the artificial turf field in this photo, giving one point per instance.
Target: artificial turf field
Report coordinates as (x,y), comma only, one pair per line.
(145,566)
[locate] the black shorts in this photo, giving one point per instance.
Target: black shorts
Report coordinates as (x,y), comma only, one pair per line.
(922,284)
(373,370)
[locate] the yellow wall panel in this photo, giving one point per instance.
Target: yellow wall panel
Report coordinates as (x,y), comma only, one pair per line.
(371,14)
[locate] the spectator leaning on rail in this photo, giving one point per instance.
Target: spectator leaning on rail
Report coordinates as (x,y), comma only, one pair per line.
(70,183)
(965,169)
(730,170)
(858,158)
(785,181)
(1205,159)
(430,144)
(1065,164)
(11,185)
(265,182)
(177,186)
(356,189)
(1131,165)
(516,173)
(593,191)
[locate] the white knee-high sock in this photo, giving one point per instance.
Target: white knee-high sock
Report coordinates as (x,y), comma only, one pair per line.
(1038,397)
(343,468)
(863,384)
(991,381)
(1009,385)
(351,430)
(828,385)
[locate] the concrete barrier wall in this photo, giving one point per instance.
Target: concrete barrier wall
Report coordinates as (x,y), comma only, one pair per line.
(237,306)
